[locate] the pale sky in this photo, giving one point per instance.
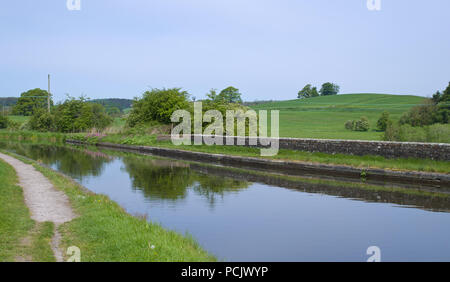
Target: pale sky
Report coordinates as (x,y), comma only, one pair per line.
(267,49)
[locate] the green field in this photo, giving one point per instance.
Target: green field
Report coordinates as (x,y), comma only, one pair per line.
(324,117)
(19,119)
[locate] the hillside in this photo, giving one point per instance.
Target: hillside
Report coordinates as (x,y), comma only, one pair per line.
(324,117)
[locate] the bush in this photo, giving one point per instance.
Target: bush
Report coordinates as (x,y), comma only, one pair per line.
(437,133)
(41,120)
(383,121)
(157,105)
(360,125)
(350,124)
(419,115)
(76,115)
(4,121)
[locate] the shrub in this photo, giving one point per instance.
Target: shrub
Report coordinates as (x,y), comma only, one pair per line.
(157,105)
(420,115)
(42,121)
(362,124)
(4,121)
(438,133)
(350,124)
(359,125)
(383,121)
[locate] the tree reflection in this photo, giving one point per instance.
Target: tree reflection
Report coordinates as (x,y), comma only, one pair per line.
(74,161)
(170,180)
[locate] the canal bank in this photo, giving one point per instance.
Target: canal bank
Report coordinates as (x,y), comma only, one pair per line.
(378,176)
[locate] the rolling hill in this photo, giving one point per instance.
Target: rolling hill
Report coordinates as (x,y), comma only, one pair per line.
(325,116)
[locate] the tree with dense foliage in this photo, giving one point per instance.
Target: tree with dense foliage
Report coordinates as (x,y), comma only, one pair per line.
(157,105)
(73,115)
(329,88)
(31,101)
(442,102)
(307,92)
(383,121)
(227,95)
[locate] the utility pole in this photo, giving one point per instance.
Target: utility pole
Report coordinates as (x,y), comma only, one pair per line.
(48,96)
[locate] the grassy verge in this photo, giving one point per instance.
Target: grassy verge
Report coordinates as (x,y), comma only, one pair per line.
(22,239)
(103,231)
(15,221)
(32,136)
(290,155)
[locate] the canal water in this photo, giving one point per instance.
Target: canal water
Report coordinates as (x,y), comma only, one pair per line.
(242,215)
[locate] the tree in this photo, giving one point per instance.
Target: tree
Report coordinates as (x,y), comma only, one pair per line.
(157,105)
(329,88)
(31,101)
(76,115)
(307,92)
(383,121)
(230,95)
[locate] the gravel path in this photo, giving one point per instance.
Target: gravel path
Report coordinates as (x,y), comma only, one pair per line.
(43,200)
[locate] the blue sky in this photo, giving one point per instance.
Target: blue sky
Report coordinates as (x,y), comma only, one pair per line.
(267,49)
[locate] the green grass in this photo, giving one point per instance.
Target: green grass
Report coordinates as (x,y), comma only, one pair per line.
(324,117)
(103,231)
(19,119)
(41,237)
(21,237)
(283,154)
(33,136)
(15,221)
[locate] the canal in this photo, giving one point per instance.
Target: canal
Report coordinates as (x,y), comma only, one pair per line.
(245,215)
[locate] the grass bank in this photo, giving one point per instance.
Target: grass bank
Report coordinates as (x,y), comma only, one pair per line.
(22,239)
(410,164)
(103,231)
(32,136)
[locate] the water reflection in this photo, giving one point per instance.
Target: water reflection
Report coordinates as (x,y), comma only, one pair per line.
(170,180)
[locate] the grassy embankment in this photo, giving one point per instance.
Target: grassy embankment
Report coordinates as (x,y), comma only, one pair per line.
(103,231)
(22,239)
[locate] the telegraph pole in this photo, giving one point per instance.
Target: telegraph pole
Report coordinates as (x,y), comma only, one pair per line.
(48,96)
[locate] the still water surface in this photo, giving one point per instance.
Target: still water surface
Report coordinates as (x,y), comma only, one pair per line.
(239,220)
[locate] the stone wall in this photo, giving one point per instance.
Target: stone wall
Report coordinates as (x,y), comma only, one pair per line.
(434,151)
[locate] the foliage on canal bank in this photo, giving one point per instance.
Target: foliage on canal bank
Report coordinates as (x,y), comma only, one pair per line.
(32,136)
(410,164)
(105,232)
(22,239)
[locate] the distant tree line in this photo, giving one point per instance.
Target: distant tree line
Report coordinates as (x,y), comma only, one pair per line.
(327,89)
